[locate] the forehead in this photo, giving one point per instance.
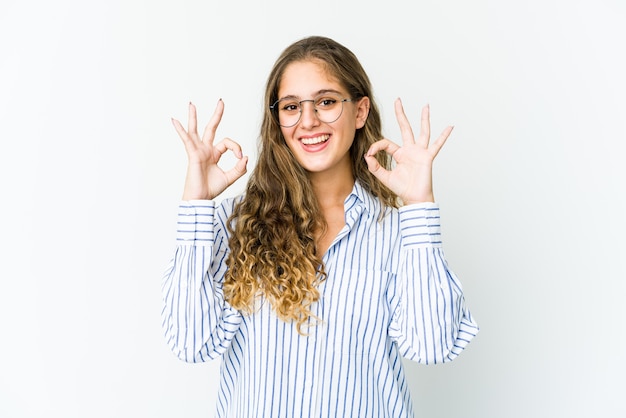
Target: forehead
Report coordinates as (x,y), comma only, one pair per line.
(305,79)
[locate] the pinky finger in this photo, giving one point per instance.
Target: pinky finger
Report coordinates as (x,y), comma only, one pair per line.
(180,130)
(443,137)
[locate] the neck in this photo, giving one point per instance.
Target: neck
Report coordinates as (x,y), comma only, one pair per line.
(331,189)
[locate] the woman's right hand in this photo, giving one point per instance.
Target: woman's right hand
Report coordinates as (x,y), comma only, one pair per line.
(205,180)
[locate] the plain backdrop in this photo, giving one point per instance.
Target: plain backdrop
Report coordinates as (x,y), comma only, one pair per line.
(531,185)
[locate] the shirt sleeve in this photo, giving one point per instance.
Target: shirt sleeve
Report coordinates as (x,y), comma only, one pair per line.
(198,323)
(430,320)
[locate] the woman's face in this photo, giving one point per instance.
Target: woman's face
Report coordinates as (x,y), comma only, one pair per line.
(320,147)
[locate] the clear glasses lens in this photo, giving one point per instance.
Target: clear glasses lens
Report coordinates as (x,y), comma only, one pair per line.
(327,107)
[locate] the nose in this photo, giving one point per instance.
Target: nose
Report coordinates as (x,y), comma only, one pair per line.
(308,118)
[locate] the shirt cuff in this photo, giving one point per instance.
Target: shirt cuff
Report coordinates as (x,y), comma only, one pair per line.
(420,225)
(195,222)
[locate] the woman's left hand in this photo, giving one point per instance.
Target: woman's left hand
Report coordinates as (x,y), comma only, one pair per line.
(411,178)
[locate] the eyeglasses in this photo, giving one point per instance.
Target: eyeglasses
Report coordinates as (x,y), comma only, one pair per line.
(328,108)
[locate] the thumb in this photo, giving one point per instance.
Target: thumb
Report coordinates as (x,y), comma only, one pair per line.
(238,170)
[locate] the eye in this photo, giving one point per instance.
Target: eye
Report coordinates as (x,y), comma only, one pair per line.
(290,107)
(326,102)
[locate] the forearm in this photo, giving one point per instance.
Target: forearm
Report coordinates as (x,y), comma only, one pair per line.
(431,321)
(196,319)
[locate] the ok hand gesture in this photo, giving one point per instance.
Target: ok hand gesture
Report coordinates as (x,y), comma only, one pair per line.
(205,179)
(411,178)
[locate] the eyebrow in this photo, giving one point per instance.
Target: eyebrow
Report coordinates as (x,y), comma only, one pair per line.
(318,93)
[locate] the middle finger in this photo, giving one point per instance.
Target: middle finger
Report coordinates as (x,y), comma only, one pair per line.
(405,127)
(209,132)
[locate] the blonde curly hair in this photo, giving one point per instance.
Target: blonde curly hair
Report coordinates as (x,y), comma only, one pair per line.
(273,228)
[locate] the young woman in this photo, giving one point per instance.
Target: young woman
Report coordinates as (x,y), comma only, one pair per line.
(314,283)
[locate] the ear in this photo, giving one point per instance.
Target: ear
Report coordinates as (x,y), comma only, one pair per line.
(362,111)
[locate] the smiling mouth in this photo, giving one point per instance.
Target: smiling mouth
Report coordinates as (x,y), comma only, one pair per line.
(317,140)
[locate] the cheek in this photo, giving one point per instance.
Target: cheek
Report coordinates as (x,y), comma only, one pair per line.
(288,138)
(287,133)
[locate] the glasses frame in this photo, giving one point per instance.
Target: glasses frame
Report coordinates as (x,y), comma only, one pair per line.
(274,111)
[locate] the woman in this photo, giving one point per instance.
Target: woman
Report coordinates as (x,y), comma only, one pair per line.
(329,268)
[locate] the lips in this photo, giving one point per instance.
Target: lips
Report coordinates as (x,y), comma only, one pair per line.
(315,140)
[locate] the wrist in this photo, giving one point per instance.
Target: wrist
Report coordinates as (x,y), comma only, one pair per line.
(415,201)
(196,193)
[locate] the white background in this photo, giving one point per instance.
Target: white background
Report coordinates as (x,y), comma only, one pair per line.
(531,186)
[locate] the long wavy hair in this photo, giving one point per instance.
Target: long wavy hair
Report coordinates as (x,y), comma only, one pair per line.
(273,228)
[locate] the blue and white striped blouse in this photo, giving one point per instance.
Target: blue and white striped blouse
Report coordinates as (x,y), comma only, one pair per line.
(389,293)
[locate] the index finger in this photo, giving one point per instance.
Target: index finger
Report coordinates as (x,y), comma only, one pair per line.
(228,144)
(382,145)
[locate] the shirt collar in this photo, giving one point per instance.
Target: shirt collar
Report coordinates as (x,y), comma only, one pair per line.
(360,197)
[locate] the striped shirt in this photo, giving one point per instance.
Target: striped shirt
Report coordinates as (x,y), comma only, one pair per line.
(389,294)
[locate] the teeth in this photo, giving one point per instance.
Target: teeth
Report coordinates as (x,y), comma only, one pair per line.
(316,140)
